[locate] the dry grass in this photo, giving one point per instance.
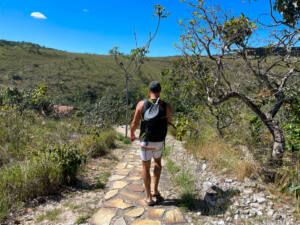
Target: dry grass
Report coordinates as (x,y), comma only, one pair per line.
(224,158)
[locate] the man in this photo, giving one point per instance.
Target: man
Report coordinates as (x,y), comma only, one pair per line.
(152,136)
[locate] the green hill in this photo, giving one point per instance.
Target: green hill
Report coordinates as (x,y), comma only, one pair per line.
(25,65)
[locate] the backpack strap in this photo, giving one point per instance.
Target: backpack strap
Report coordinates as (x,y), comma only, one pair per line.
(144,107)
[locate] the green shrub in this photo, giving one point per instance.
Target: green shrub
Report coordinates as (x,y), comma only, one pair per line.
(126,141)
(171,167)
(187,199)
(96,145)
(83,219)
(107,111)
(166,151)
(109,137)
(69,158)
(36,99)
(183,179)
(27,180)
(41,175)
(292,127)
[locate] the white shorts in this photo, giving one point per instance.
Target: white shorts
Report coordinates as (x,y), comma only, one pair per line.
(151,149)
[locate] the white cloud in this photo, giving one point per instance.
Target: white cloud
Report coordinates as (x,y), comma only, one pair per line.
(85,10)
(38,15)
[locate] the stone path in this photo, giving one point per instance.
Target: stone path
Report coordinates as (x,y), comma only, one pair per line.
(125,203)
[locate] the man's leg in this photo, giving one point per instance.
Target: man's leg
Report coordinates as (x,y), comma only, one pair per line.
(147,179)
(157,172)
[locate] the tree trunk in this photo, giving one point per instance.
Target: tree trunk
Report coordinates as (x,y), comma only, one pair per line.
(278,144)
(126,126)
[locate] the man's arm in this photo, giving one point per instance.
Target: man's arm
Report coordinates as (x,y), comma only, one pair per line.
(136,119)
(169,114)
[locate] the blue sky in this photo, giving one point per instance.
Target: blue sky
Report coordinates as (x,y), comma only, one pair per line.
(96,26)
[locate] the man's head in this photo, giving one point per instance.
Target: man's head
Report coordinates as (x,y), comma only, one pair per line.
(154,88)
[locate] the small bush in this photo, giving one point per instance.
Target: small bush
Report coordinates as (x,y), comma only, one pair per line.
(50,215)
(184,180)
(41,175)
(126,141)
(69,158)
(171,167)
(109,137)
(98,145)
(187,199)
(166,151)
(83,219)
(222,155)
(27,180)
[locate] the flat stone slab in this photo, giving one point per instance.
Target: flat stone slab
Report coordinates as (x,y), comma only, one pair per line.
(120,221)
(121,165)
(142,203)
(135,212)
(117,203)
(136,188)
(119,184)
(131,195)
(103,216)
(156,212)
(174,216)
(116,177)
(123,172)
(146,222)
(135,178)
(110,194)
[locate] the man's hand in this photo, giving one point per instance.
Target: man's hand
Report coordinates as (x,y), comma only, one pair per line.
(132,137)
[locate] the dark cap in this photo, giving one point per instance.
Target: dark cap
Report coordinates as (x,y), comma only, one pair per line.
(154,87)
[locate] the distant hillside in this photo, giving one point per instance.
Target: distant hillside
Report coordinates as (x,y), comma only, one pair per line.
(25,65)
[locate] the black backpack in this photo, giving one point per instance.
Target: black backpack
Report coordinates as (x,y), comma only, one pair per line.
(154,125)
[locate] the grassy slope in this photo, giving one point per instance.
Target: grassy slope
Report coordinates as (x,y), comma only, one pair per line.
(26,65)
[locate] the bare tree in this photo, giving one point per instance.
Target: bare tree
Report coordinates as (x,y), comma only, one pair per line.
(130,64)
(259,78)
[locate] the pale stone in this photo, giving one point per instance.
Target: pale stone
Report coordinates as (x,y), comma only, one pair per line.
(121,166)
(120,221)
(136,188)
(130,195)
(248,191)
(206,185)
(156,212)
(129,166)
(103,216)
(117,203)
(135,212)
(135,178)
(146,222)
(142,203)
(119,184)
(174,216)
(116,177)
(123,172)
(110,194)
(270,213)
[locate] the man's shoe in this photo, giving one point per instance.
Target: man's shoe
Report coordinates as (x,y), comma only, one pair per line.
(159,198)
(151,203)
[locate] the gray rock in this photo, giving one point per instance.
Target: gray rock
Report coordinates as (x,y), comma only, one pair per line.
(261,199)
(248,191)
(270,213)
(206,185)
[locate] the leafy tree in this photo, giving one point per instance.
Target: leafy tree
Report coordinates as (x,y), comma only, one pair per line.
(130,64)
(290,11)
(259,81)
